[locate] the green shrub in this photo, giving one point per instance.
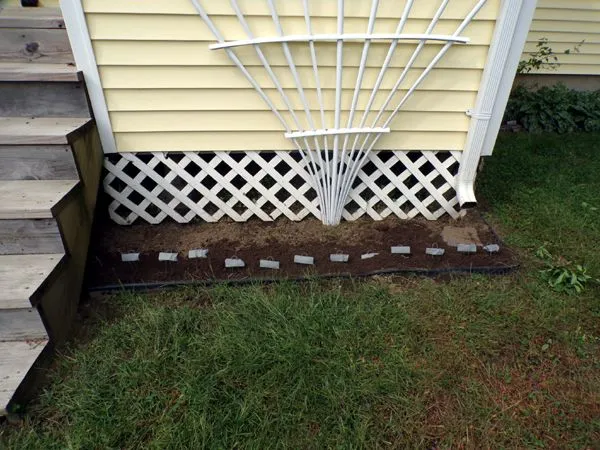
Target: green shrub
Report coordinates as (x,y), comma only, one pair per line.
(554,109)
(561,274)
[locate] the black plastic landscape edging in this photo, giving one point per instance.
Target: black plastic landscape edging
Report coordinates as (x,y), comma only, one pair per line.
(485,270)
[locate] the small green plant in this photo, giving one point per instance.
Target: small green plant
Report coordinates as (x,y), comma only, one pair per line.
(554,109)
(562,275)
(544,57)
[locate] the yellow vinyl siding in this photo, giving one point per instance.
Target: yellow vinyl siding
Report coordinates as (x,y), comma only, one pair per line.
(252,140)
(166,90)
(155,77)
(164,53)
(245,100)
(135,121)
(319,8)
(565,24)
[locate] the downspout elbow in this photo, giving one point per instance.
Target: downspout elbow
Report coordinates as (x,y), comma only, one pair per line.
(465,193)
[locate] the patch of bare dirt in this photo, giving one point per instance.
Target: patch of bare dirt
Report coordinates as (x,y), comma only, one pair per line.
(281,240)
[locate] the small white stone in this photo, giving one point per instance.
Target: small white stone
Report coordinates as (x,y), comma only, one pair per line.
(269,264)
(164,256)
(307,260)
(492,248)
(401,250)
(368,255)
(466,248)
(130,257)
(198,253)
(232,263)
(338,257)
(435,251)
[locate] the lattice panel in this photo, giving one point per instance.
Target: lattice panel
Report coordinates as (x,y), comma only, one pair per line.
(241,185)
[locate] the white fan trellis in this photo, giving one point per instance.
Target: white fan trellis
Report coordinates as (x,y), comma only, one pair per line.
(334,153)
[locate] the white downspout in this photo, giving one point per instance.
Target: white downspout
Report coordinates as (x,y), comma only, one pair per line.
(505,52)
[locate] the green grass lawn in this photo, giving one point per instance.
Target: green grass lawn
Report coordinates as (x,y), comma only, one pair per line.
(469,362)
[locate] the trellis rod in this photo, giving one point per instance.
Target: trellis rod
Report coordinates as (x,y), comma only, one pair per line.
(278,86)
(374,92)
(339,66)
(340,37)
(325,172)
(202,12)
(357,87)
(434,21)
(290,60)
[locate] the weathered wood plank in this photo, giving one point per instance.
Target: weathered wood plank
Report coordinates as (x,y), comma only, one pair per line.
(40,99)
(26,237)
(31,18)
(20,324)
(87,150)
(33,199)
(16,359)
(58,304)
(39,72)
(21,276)
(51,162)
(35,45)
(40,131)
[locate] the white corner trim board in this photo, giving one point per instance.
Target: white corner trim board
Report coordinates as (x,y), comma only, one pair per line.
(505,51)
(79,37)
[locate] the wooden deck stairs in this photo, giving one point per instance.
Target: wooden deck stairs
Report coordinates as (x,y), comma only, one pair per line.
(50,163)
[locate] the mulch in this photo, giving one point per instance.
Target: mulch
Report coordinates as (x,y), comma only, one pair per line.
(281,240)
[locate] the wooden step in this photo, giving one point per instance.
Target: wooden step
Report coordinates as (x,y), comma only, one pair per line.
(27,237)
(33,199)
(16,359)
(37,162)
(41,131)
(21,277)
(31,18)
(39,72)
(35,45)
(20,324)
(41,99)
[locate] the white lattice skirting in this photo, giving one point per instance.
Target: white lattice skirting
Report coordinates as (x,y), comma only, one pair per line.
(240,185)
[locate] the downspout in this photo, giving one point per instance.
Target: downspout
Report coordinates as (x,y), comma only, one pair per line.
(505,52)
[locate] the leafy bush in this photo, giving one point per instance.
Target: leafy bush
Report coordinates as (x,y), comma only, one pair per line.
(562,275)
(554,109)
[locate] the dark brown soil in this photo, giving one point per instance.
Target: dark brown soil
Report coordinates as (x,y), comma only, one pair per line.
(281,240)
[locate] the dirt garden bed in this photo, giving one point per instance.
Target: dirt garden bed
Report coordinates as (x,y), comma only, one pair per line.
(282,240)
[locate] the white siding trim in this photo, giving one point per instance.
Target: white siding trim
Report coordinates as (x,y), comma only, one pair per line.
(505,51)
(83,51)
